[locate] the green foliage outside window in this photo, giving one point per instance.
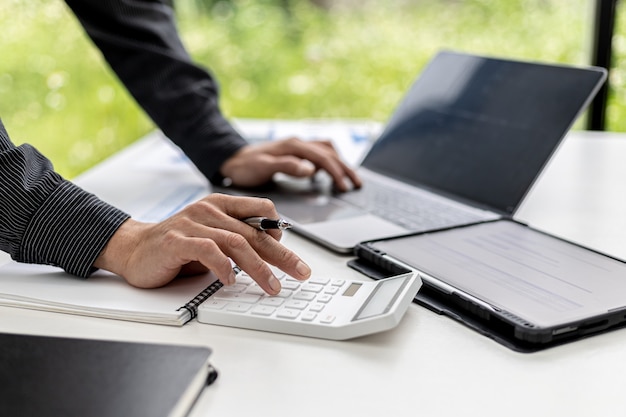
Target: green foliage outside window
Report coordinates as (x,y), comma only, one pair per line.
(273,59)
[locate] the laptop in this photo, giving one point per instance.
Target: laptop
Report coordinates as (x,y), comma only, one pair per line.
(520,286)
(464,146)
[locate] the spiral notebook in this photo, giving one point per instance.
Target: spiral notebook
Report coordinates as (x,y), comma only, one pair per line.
(103,295)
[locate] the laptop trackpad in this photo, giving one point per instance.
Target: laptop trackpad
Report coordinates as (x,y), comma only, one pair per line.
(343,235)
(315,209)
(339,226)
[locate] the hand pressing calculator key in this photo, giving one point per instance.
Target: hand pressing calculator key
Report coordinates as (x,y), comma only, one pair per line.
(323,307)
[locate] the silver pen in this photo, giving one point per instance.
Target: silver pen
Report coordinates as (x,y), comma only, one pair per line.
(265,223)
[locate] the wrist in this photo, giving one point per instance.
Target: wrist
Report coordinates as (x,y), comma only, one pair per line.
(116,253)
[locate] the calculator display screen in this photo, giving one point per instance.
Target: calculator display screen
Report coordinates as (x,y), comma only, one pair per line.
(382,298)
(352,289)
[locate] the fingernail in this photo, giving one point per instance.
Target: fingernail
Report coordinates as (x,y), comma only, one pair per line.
(306,168)
(274,284)
(303,269)
(231,279)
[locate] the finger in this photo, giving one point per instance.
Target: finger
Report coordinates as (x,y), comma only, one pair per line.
(243,254)
(226,211)
(229,212)
(265,248)
(352,175)
(323,155)
(248,247)
(290,165)
(196,251)
(214,248)
(286,260)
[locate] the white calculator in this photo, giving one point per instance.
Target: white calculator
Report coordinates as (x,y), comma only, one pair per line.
(323,307)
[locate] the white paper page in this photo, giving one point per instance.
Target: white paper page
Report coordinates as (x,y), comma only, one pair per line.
(101,295)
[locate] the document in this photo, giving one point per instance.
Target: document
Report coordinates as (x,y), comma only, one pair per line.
(103,294)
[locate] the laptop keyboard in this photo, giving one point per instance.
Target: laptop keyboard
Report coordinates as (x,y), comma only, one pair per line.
(413,211)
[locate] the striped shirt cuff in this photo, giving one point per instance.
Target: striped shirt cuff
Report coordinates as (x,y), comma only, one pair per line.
(70,230)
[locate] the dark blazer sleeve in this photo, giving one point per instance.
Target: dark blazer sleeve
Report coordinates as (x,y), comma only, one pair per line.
(45,219)
(140,41)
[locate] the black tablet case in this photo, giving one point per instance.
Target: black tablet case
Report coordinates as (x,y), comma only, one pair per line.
(373,265)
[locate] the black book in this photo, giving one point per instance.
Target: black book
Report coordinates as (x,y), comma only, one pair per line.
(42,375)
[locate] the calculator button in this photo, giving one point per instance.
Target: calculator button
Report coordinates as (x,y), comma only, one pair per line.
(324,298)
(327,319)
(312,287)
(317,307)
(214,304)
(306,296)
(331,290)
(238,307)
(239,297)
(284,293)
(290,285)
(272,301)
(234,288)
(255,289)
(299,304)
(338,282)
(263,310)
(319,280)
(244,279)
(288,314)
(308,316)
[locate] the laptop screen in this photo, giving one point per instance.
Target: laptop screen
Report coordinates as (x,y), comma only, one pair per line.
(481,129)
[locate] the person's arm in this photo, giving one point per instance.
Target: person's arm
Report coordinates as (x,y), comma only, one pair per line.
(45,219)
(140,42)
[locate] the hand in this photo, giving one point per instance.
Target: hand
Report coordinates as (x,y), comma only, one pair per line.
(255,164)
(202,237)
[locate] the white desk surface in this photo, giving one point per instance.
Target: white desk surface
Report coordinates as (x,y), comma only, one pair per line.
(429,365)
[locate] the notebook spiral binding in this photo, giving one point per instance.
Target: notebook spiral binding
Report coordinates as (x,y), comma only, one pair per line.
(192,305)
